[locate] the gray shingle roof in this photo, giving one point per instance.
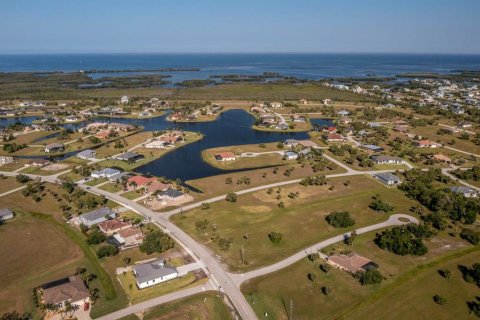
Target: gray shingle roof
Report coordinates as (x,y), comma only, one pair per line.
(153,270)
(387,176)
(98,213)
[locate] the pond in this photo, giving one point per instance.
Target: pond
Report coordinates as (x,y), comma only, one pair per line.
(232,127)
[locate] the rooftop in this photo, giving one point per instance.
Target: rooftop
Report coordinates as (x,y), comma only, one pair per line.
(153,270)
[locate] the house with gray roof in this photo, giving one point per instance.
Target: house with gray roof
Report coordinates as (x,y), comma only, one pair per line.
(467,192)
(97,216)
(87,154)
(388,178)
(170,194)
(130,157)
(54,147)
(155,272)
(6,214)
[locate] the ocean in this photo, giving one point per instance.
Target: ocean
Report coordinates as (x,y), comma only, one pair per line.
(302,66)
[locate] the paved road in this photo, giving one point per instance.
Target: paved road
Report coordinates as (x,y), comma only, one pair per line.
(157,301)
(451,176)
(461,151)
(392,221)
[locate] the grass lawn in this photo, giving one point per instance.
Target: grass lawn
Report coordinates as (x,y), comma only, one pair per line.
(249,221)
(8,183)
(29,138)
(136,295)
(131,195)
(111,187)
(215,185)
(204,306)
(17,164)
(33,252)
(263,160)
(95,182)
(272,293)
(109,150)
(430,132)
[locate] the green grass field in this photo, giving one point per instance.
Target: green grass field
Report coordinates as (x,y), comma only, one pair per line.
(350,300)
(249,221)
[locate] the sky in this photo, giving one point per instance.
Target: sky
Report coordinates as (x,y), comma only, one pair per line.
(203,26)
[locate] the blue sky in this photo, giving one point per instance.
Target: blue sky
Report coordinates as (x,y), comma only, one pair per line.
(91,26)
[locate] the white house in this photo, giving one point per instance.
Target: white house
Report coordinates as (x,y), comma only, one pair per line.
(54,147)
(104,173)
(156,144)
(5,160)
(87,154)
(97,216)
(150,274)
(276,105)
(124,100)
(388,178)
(290,155)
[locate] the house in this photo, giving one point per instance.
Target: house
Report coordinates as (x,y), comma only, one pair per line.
(290,143)
(225,156)
(465,191)
(72,290)
(441,158)
(103,134)
(124,100)
(465,125)
(379,159)
(54,147)
(121,126)
(128,237)
(118,176)
(282,126)
(345,120)
(374,124)
(157,144)
(130,157)
(104,173)
(372,148)
(155,272)
(170,194)
(302,101)
(38,162)
(5,160)
(97,216)
(109,227)
(87,154)
(334,137)
(135,182)
(156,186)
(276,105)
(427,144)
(343,113)
(290,155)
(388,178)
(6,214)
(352,262)
(326,101)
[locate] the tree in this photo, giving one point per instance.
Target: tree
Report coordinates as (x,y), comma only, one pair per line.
(228,180)
(95,237)
(205,206)
(446,273)
(312,277)
(106,250)
(156,241)
(201,225)
(470,235)
(14,315)
(231,197)
(379,205)
(275,237)
(328,291)
(325,267)
(438,299)
(371,276)
(21,178)
(405,239)
(340,219)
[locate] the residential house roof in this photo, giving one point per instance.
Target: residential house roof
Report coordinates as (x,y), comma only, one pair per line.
(171,193)
(141,180)
(388,176)
(153,270)
(113,225)
(98,213)
(74,290)
(5,212)
(352,262)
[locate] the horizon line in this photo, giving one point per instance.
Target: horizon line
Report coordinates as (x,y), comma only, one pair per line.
(238,52)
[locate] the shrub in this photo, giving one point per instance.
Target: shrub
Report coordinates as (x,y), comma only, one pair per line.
(470,235)
(106,250)
(275,237)
(340,219)
(21,178)
(439,299)
(371,276)
(156,241)
(379,205)
(231,197)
